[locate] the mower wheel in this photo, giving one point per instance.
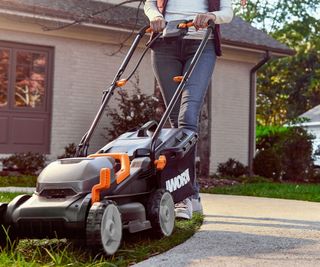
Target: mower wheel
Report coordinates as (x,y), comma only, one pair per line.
(104,227)
(160,211)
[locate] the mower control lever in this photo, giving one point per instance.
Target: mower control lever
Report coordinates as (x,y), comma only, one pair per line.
(149,126)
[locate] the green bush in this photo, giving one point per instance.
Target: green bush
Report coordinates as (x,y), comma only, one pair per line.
(26,163)
(284,153)
(296,158)
(232,168)
(133,111)
(69,151)
(270,136)
(267,163)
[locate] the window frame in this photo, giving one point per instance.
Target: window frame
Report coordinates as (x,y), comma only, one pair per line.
(10,112)
(6,107)
(17,47)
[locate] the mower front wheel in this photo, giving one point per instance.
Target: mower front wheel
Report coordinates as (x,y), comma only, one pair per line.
(104,227)
(160,210)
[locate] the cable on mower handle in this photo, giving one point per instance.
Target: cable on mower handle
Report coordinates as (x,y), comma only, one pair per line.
(82,149)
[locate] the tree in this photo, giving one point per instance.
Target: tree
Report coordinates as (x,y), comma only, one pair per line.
(289,86)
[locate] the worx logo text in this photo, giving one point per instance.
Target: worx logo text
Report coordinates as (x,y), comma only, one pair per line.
(178,181)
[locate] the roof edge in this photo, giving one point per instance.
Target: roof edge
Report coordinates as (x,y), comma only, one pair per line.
(279,52)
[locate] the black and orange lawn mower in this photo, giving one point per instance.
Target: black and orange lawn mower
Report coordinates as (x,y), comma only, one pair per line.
(131,183)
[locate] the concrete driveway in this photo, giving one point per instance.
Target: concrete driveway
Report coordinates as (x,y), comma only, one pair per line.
(250,231)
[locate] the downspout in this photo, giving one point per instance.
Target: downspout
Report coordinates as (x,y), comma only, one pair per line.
(252,110)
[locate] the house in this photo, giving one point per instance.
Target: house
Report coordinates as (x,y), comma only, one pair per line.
(56,58)
(313,126)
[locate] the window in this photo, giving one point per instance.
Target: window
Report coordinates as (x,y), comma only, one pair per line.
(4,76)
(25,97)
(30,79)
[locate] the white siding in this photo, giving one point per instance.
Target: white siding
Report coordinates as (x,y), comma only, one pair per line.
(230,112)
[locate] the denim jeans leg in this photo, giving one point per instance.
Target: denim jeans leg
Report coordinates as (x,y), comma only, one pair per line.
(171,60)
(193,95)
(194,92)
(167,64)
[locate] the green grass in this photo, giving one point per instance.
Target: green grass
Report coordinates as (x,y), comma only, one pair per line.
(308,192)
(19,181)
(135,248)
(6,197)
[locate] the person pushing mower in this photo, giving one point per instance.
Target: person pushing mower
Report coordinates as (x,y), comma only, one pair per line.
(172,56)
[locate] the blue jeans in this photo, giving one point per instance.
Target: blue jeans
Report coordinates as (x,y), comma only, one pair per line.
(172,58)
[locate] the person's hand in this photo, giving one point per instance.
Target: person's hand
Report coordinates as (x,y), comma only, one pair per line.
(157,24)
(201,20)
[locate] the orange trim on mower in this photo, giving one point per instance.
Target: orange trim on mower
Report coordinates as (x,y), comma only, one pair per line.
(178,79)
(105,173)
(121,82)
(186,25)
(105,182)
(160,163)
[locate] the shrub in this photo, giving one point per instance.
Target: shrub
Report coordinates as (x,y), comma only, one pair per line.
(26,163)
(296,158)
(69,151)
(285,152)
(133,111)
(270,136)
(267,164)
(232,168)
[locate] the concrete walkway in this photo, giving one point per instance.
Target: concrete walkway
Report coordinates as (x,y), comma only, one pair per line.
(249,231)
(14,189)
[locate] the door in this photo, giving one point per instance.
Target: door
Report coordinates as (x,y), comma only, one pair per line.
(25,98)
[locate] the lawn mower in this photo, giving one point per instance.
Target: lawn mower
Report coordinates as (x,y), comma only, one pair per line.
(130,184)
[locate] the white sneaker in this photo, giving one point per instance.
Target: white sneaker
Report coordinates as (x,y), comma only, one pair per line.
(197,206)
(183,209)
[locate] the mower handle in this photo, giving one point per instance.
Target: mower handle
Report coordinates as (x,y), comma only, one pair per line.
(183,80)
(84,143)
(149,126)
(189,24)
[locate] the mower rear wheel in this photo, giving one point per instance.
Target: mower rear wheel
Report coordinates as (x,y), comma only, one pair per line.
(160,210)
(104,227)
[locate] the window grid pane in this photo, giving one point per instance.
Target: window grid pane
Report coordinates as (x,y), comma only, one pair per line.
(30,86)
(4,76)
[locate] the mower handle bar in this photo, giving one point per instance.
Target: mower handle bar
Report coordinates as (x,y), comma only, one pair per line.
(84,143)
(182,84)
(82,148)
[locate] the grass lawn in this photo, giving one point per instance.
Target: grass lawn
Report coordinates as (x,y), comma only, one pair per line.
(19,181)
(135,247)
(308,192)
(6,197)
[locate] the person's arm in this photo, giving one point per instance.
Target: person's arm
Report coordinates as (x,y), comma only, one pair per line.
(157,22)
(151,9)
(225,14)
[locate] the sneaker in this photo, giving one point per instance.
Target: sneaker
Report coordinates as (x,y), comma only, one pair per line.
(196,205)
(183,209)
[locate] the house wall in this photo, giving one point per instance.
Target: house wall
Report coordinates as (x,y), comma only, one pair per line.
(82,70)
(230,107)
